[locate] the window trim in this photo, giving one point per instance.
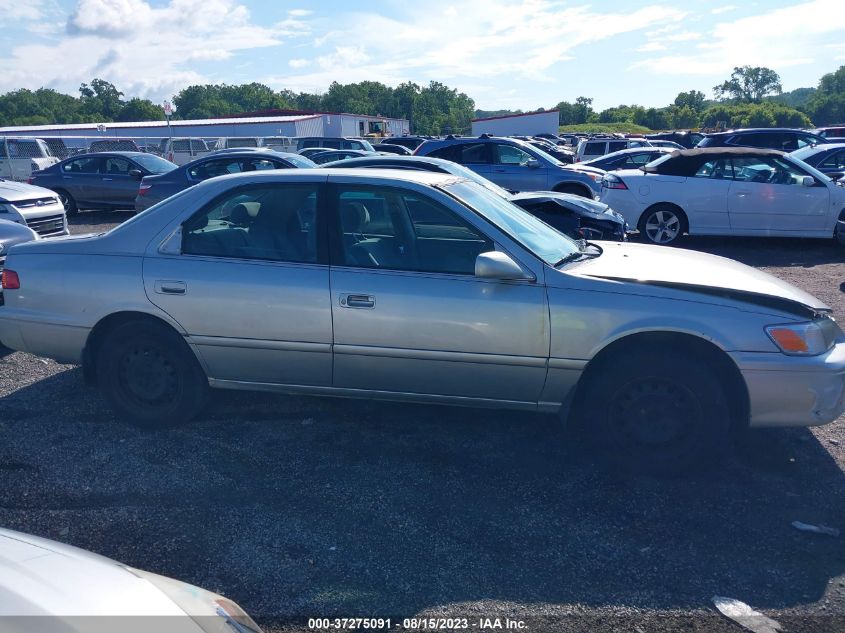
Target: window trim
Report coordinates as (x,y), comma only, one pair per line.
(321,221)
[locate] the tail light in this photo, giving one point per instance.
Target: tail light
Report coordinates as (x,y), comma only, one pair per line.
(30,180)
(143,189)
(170,157)
(9,280)
(611,181)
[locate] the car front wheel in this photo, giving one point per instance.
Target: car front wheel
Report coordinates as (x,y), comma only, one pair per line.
(150,376)
(661,412)
(663,224)
(68,202)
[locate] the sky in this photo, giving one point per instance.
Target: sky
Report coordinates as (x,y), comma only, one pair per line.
(505,54)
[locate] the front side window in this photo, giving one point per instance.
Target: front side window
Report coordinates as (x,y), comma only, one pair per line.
(766,170)
(268,222)
(393,229)
(260,164)
(115,166)
(615,146)
(510,155)
(637,160)
(835,161)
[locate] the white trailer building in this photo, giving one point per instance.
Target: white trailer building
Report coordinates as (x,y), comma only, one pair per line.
(527,124)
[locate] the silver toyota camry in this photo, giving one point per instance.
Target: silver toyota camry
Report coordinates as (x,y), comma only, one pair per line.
(426,287)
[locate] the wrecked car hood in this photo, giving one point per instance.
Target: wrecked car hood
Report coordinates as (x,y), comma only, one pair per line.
(696,272)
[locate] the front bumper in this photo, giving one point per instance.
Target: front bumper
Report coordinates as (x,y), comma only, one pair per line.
(794,391)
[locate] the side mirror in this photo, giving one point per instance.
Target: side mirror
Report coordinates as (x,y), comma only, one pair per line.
(497,265)
(136,173)
(808,181)
(533,163)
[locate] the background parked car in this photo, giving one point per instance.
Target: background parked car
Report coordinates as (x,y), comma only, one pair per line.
(19,157)
(181,151)
(782,139)
(390,148)
(514,164)
(669,144)
(333,142)
(828,158)
(566,157)
(338,154)
(595,147)
(683,138)
(113,145)
(63,587)
(237,142)
(107,180)
(38,208)
(310,152)
(12,233)
(575,216)
(155,188)
(831,131)
(411,142)
(727,191)
(631,158)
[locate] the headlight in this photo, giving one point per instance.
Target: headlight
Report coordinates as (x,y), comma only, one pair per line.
(805,339)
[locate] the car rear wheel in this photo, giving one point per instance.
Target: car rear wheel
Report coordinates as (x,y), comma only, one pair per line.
(150,376)
(656,412)
(68,202)
(663,224)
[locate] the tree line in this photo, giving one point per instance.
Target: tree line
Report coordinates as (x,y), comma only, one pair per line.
(751,97)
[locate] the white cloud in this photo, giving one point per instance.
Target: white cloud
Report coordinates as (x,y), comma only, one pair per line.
(299,63)
(479,40)
(300,13)
(725,9)
(781,38)
(651,47)
(21,9)
(145,50)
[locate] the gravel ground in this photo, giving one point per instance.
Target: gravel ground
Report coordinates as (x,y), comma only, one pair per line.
(307,507)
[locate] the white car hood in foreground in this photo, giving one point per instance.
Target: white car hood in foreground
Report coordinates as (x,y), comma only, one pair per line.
(689,270)
(42,578)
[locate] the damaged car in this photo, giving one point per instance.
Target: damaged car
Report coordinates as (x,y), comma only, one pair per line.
(425,287)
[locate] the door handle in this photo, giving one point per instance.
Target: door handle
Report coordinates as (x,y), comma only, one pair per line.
(357,301)
(743,194)
(68,177)
(107,179)
(171,287)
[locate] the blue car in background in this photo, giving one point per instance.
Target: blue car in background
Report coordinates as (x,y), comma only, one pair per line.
(514,164)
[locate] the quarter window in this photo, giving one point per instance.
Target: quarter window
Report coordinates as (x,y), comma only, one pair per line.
(392,229)
(276,223)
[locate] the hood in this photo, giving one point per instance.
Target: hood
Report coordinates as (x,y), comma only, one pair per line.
(41,577)
(585,169)
(583,207)
(698,272)
(11,191)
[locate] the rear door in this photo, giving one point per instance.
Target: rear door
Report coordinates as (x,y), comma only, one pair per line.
(80,177)
(767,197)
(476,156)
(250,286)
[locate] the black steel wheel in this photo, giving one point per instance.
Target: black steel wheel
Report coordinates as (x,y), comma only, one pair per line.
(149,375)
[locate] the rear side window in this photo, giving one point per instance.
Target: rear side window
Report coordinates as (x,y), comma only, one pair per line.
(615,146)
(464,153)
(212,168)
(836,160)
(82,166)
(595,149)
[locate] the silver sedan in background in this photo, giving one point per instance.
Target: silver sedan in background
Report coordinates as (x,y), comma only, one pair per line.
(420,286)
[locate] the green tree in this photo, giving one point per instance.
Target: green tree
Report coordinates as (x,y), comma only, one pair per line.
(827,104)
(694,99)
(102,99)
(140,110)
(749,84)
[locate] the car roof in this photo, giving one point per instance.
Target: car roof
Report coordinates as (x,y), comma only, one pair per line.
(747,130)
(103,154)
(319,174)
(634,150)
(707,151)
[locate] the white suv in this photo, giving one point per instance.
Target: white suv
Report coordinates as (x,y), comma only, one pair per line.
(594,147)
(20,156)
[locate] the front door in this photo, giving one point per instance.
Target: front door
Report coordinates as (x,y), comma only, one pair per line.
(767,197)
(115,187)
(410,317)
(250,286)
(512,169)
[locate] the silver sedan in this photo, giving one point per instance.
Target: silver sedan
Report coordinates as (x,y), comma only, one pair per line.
(426,287)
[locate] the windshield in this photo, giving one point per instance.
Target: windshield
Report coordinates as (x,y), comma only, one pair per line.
(535,235)
(154,164)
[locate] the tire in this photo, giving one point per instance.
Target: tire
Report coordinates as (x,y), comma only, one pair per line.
(69,203)
(654,412)
(663,224)
(839,232)
(150,376)
(574,190)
